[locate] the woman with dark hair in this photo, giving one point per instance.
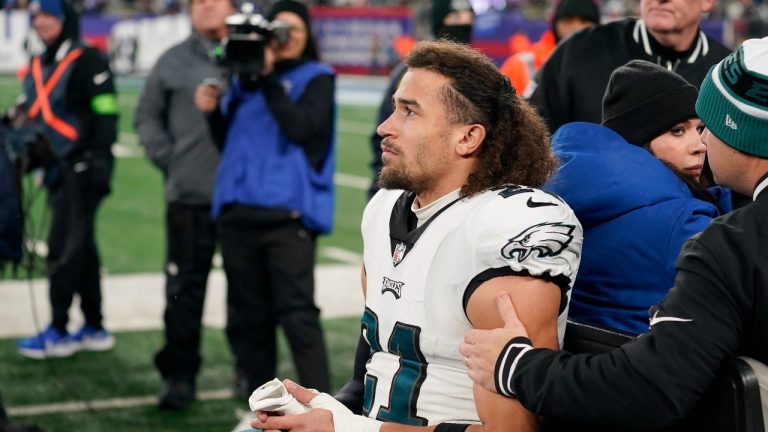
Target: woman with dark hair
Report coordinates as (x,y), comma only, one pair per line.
(634,183)
(273,196)
(681,149)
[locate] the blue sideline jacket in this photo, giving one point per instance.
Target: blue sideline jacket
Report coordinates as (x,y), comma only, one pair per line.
(260,167)
(636,214)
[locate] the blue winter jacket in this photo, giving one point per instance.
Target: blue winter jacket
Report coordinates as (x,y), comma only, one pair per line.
(636,214)
(261,167)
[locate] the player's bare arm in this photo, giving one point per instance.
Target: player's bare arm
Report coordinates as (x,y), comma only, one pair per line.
(537,302)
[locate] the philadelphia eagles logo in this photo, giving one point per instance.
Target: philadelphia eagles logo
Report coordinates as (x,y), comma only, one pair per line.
(546,239)
(393,286)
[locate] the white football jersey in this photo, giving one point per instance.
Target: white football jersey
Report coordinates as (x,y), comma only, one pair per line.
(420,280)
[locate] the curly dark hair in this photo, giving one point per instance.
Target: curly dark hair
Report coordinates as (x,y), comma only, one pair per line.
(516,149)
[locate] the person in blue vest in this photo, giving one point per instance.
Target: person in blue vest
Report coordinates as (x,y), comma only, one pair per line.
(70,96)
(273,195)
(634,185)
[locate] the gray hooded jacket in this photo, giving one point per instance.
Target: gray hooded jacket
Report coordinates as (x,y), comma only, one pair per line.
(173,131)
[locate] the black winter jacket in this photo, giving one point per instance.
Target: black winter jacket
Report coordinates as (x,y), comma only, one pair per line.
(572,81)
(717,309)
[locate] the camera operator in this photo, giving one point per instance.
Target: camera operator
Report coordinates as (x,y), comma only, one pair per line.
(70,98)
(273,196)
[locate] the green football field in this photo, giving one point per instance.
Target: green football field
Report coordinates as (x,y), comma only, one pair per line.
(115,391)
(130,223)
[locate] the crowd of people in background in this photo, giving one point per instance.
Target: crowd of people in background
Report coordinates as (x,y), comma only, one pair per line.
(745,18)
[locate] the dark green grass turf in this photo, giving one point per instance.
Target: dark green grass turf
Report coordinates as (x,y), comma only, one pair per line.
(130,235)
(127,371)
(130,229)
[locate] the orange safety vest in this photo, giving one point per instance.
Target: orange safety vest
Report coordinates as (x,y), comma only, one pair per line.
(403,45)
(522,66)
(43,89)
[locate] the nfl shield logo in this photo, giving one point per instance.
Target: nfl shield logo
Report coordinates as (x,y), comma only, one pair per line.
(399,253)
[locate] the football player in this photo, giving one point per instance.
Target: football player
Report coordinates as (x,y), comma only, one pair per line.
(459,220)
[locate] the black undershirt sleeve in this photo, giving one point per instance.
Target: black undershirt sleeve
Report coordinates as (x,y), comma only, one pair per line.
(353,392)
(309,121)
(658,379)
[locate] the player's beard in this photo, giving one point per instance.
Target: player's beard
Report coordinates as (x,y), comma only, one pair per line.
(412,176)
(401,178)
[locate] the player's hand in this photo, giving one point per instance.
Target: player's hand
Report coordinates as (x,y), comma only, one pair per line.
(207,97)
(316,420)
(481,348)
(262,416)
(327,415)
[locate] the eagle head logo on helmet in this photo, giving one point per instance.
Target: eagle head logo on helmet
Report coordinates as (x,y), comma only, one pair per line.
(546,239)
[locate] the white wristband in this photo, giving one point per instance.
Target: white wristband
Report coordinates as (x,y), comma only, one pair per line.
(343,419)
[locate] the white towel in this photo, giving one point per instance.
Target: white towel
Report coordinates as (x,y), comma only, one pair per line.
(272,396)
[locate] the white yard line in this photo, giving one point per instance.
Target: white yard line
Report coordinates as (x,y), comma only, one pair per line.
(351,180)
(137,301)
(355,127)
(335,253)
(103,404)
(128,142)
(124,149)
(39,247)
(342,255)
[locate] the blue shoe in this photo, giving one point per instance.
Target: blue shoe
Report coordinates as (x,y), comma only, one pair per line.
(91,339)
(49,343)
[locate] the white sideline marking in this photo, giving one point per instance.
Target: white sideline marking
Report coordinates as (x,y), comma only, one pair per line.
(218,261)
(103,404)
(126,150)
(342,255)
(39,247)
(335,253)
(355,127)
(128,138)
(351,180)
(136,301)
(128,142)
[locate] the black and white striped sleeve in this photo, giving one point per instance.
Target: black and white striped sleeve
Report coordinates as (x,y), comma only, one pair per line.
(506,363)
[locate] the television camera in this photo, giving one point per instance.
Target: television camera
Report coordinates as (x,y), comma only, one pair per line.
(249,33)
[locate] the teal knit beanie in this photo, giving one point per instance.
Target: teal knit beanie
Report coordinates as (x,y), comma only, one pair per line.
(733,100)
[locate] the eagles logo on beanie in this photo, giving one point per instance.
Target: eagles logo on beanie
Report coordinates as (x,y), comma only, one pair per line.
(733,103)
(644,100)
